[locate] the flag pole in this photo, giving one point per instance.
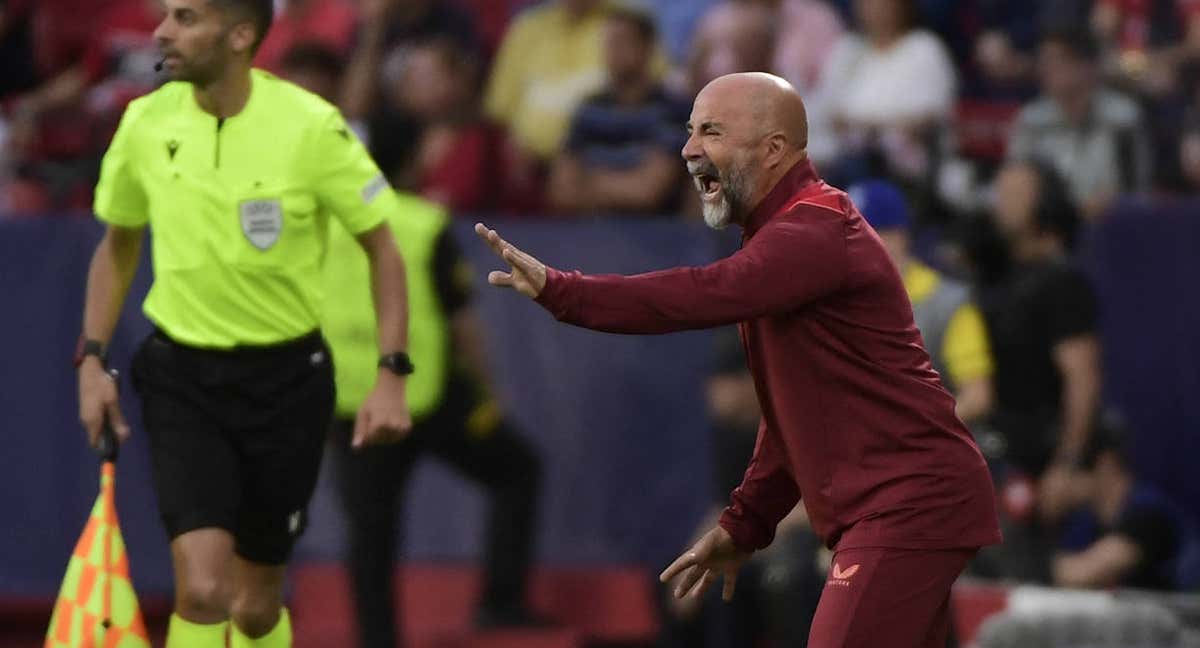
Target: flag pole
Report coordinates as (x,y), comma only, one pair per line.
(108,450)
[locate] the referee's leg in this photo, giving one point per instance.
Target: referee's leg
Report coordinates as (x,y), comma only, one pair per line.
(196,483)
(280,405)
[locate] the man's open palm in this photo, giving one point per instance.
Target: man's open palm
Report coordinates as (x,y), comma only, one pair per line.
(713,556)
(526,274)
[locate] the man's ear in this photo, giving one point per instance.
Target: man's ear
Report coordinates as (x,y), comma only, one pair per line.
(242,37)
(777,146)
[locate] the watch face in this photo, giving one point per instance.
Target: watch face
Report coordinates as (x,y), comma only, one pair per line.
(397,363)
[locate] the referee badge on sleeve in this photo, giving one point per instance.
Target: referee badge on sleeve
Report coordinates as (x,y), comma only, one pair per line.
(262,221)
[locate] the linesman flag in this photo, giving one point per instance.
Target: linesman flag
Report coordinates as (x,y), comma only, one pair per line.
(96,606)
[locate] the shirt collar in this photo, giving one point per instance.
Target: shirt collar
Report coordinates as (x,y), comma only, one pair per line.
(255,90)
(801,175)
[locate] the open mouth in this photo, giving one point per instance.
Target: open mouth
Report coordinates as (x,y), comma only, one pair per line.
(708,185)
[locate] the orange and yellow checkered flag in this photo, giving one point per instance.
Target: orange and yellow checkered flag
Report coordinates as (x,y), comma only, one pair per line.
(96,606)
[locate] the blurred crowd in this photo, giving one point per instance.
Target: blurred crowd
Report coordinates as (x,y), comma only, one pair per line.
(977,136)
(576,106)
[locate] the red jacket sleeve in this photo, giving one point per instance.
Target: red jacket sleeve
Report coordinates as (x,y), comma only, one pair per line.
(787,264)
(767,494)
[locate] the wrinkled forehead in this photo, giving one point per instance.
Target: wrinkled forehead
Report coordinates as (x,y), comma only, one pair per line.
(717,105)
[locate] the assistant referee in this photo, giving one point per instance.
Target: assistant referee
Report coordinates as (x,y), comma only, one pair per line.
(237,173)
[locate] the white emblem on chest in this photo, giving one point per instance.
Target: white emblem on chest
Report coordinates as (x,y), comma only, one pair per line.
(262,221)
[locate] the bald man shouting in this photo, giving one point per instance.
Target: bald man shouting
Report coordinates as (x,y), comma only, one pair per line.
(855,419)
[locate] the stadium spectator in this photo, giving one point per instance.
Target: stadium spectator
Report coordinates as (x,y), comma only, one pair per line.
(677,23)
(1002,52)
(315,67)
(60,127)
(1125,533)
(491,20)
(621,153)
(548,63)
(1093,136)
(869,83)
(808,30)
(458,159)
(1146,40)
(950,323)
(328,22)
(17,66)
(732,37)
(1042,319)
(456,419)
(1187,148)
(385,25)
(807,33)
(59,36)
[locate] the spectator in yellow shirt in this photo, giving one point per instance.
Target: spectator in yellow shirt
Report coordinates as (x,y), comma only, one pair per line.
(548,63)
(950,323)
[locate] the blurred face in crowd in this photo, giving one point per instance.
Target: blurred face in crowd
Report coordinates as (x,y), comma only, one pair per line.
(1063,73)
(313,79)
(881,19)
(1017,188)
(1189,158)
(199,39)
(735,37)
(627,50)
(434,82)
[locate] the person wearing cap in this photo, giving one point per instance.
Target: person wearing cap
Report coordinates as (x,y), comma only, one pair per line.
(950,323)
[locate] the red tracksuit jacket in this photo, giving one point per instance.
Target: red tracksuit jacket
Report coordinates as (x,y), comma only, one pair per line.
(855,419)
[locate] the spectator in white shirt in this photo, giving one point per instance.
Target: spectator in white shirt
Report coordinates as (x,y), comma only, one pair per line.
(890,86)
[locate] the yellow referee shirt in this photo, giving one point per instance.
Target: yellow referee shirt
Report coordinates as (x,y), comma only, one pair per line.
(238,208)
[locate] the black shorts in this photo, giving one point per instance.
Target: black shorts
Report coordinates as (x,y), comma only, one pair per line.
(236,437)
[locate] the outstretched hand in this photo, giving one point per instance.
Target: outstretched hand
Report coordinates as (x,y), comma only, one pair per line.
(526,274)
(712,556)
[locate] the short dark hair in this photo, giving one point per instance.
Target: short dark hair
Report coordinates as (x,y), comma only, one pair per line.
(1055,211)
(311,55)
(1078,41)
(1109,435)
(641,20)
(260,12)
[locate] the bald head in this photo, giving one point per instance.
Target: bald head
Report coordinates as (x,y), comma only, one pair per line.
(747,131)
(764,103)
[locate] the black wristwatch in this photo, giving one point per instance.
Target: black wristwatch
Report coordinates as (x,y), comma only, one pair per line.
(397,363)
(87,347)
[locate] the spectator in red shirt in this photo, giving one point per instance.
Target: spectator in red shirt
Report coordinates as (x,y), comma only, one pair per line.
(61,127)
(459,159)
(854,416)
(385,25)
(328,22)
(314,67)
(1147,39)
(17,64)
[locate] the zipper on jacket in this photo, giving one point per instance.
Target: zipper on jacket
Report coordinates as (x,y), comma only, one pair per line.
(217,145)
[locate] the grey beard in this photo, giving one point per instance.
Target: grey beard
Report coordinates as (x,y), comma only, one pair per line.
(733,199)
(719,215)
